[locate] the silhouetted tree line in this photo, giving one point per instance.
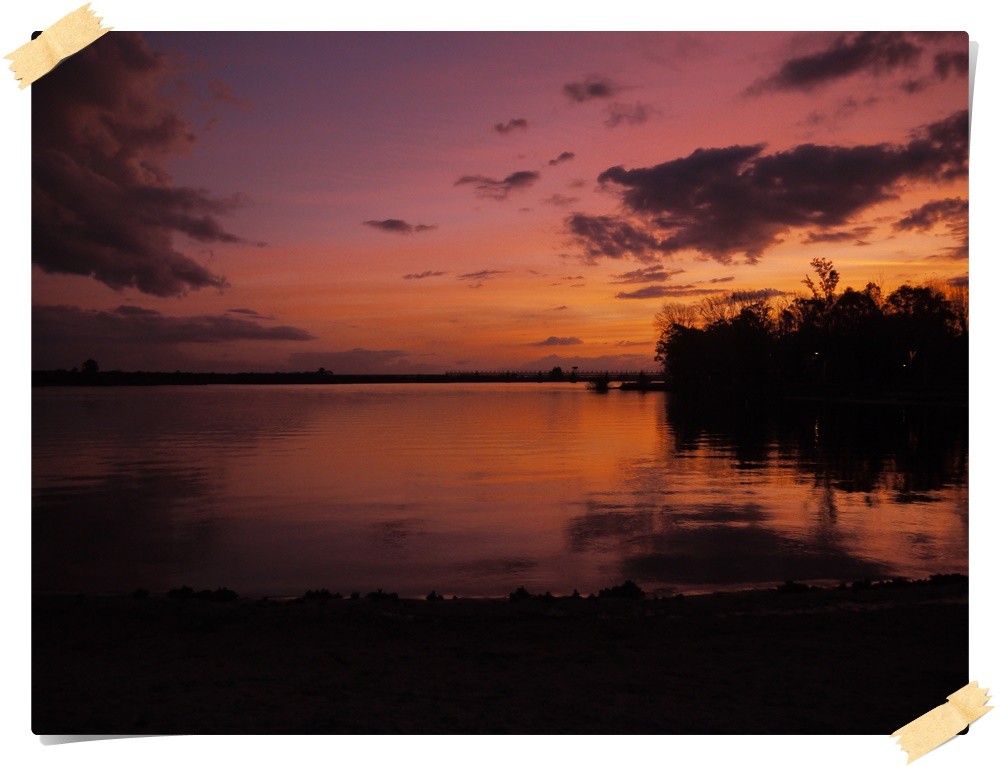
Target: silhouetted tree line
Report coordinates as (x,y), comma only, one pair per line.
(914,338)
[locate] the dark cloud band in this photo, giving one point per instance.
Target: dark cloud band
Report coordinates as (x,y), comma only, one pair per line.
(952,213)
(127,324)
(739,201)
(103,204)
(849,54)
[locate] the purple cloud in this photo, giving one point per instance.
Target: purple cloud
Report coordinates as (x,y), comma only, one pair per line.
(552,340)
(397,226)
(847,55)
(628,114)
(103,203)
(518,123)
(655,273)
(739,201)
(499,189)
(592,87)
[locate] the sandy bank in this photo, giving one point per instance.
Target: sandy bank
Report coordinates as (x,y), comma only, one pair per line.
(818,661)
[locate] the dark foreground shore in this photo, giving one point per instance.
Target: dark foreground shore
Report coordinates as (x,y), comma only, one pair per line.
(816,661)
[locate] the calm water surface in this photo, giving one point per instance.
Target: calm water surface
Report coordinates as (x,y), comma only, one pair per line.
(477,489)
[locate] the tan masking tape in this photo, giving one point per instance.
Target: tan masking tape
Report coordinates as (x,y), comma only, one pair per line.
(67,36)
(942,723)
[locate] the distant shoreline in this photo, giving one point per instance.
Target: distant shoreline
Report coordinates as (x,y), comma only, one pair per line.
(118,378)
(600,381)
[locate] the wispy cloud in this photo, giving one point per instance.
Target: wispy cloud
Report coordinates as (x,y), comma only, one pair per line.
(655,273)
(755,295)
(498,189)
(249,313)
(425,275)
(560,200)
(948,63)
(397,226)
(856,234)
(608,236)
(564,157)
(628,114)
(590,88)
(552,340)
(952,212)
(848,54)
(665,291)
(872,53)
(693,290)
(480,275)
(518,123)
(223,93)
(845,109)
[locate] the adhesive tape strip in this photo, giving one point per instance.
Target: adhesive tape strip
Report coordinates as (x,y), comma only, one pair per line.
(942,723)
(70,34)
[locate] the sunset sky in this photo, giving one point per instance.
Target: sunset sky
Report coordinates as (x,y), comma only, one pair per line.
(309,186)
(396,202)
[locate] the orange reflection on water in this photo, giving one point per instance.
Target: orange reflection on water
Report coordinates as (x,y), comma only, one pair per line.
(476,489)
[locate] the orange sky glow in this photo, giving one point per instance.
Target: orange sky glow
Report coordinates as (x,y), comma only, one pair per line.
(425,202)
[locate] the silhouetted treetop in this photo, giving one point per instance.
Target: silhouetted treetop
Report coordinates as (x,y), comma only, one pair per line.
(916,337)
(827,278)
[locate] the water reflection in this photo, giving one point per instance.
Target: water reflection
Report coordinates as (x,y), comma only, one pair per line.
(716,544)
(814,491)
(852,447)
(477,489)
(122,526)
(397,533)
(719,555)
